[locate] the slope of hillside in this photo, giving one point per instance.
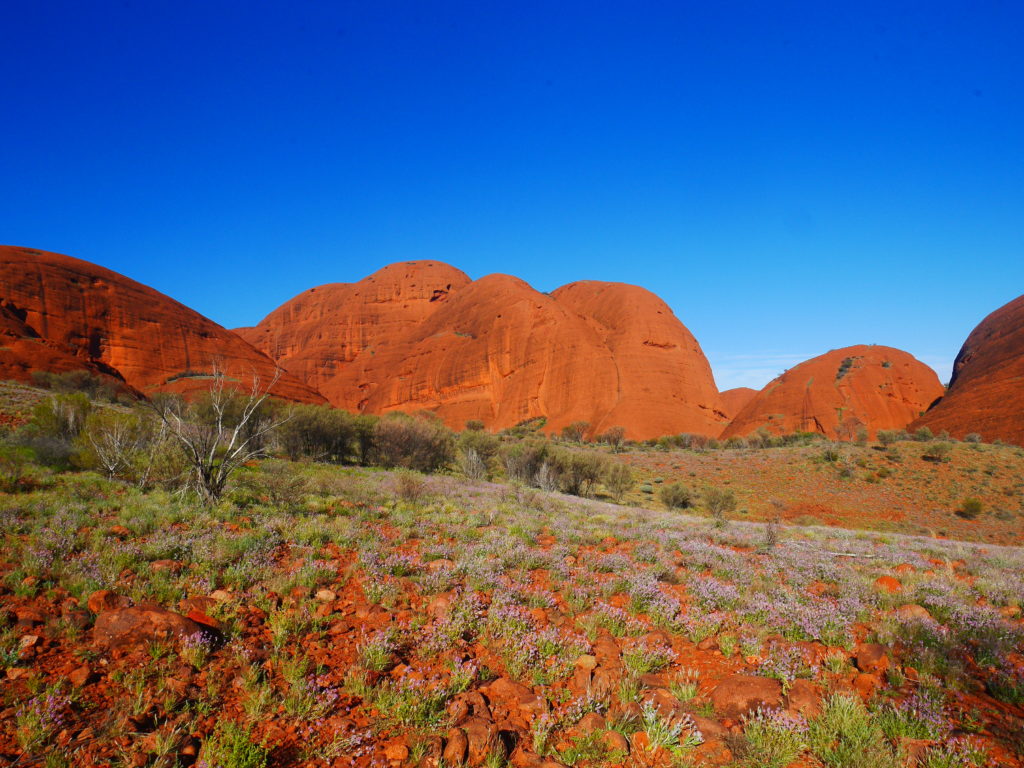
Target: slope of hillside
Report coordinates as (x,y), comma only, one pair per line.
(62,313)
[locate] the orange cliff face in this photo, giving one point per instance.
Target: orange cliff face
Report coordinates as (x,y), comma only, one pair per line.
(81,316)
(320,331)
(421,336)
(663,382)
(986,392)
(735,400)
(862,386)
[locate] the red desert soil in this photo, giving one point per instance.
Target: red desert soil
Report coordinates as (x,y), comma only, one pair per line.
(834,394)
(69,314)
(735,400)
(986,393)
(896,489)
(419,335)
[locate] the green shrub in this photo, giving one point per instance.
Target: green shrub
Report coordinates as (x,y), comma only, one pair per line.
(317,432)
(970,508)
(420,443)
(231,746)
(577,472)
(676,496)
(477,450)
(719,502)
(923,435)
(937,450)
(576,431)
(618,479)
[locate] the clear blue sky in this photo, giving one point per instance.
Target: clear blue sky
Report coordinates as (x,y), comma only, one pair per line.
(789,177)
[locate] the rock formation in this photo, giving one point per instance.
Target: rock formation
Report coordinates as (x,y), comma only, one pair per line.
(421,336)
(837,393)
(314,335)
(986,392)
(60,313)
(735,400)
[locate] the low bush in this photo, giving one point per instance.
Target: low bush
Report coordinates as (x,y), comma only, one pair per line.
(676,496)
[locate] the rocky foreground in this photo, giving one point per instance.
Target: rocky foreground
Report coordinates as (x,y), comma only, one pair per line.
(322,616)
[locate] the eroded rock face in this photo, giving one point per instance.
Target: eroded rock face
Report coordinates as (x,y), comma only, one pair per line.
(663,381)
(420,335)
(316,334)
(835,394)
(68,314)
(986,392)
(735,400)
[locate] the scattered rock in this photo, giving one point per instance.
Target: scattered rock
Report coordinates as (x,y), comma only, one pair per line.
(737,695)
(81,676)
(912,613)
(106,600)
(871,657)
(804,698)
(456,747)
(127,627)
(888,584)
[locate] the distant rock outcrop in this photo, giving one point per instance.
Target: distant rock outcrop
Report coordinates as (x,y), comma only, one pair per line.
(58,313)
(735,400)
(986,392)
(836,394)
(421,336)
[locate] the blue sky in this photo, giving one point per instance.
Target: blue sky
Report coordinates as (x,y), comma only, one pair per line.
(789,177)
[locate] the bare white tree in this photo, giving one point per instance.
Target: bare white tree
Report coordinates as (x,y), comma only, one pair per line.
(221,431)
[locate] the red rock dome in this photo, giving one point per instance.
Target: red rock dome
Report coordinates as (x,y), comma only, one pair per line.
(735,400)
(61,313)
(986,392)
(873,387)
(421,335)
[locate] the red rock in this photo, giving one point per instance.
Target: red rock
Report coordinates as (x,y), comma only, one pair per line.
(888,584)
(482,736)
(737,695)
(88,317)
(616,742)
(142,625)
(421,336)
(912,612)
(866,684)
(735,400)
(456,747)
(396,752)
(106,600)
(199,617)
(804,698)
(904,568)
(984,393)
(871,657)
(590,722)
(509,690)
(882,388)
(81,676)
